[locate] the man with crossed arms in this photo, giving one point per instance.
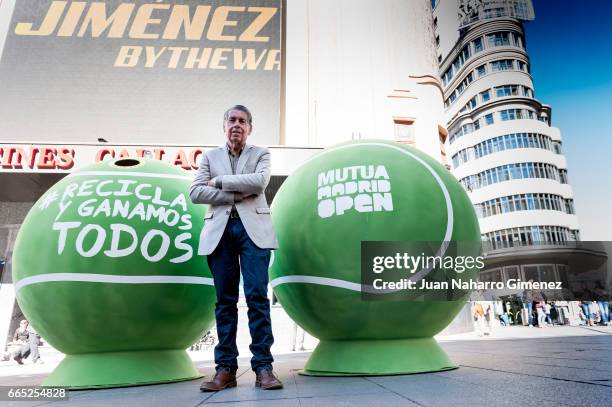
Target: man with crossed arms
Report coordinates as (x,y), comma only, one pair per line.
(238,236)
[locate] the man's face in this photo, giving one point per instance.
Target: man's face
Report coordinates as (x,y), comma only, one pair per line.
(237,128)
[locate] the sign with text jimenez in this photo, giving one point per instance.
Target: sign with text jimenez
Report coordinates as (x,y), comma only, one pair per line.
(138,71)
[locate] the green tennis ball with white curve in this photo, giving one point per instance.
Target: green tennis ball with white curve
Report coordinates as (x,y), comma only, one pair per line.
(107,268)
(366,191)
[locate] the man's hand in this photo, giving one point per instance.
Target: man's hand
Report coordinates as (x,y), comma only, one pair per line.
(212,183)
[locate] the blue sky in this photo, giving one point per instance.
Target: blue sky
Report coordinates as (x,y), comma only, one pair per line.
(570,46)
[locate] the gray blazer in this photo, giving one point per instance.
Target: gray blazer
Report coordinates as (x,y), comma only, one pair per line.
(245,190)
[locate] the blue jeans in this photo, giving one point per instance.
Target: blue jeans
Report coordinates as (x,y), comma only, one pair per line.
(586,311)
(603,308)
(237,253)
(541,317)
(530,313)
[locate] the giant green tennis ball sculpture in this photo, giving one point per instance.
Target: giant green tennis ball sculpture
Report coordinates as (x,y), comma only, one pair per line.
(106,267)
(366,191)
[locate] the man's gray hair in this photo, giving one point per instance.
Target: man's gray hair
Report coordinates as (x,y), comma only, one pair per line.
(242,109)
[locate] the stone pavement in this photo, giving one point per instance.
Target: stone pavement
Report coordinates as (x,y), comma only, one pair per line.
(516,366)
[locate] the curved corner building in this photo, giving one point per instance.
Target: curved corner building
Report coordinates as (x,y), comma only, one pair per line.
(501,143)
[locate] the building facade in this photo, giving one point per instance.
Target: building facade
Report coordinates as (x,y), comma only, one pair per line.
(502,145)
(362,69)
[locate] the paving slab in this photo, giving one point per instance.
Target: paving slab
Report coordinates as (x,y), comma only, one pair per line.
(361,400)
(533,388)
(257,403)
(439,390)
(309,386)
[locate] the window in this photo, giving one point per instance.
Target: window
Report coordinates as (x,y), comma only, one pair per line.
(527,236)
(574,235)
(510,142)
(507,115)
(502,65)
(471,104)
(547,273)
(404,130)
(477,45)
(562,273)
(517,41)
(468,128)
(516,114)
(465,53)
(482,70)
(498,39)
(489,119)
(485,96)
(491,276)
(457,64)
(507,90)
(448,75)
(512,171)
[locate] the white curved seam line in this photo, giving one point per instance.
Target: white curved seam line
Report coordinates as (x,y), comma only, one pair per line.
(107,278)
(128,174)
(329,282)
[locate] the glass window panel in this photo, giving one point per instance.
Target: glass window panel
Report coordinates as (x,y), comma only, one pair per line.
(531,171)
(513,141)
(537,202)
(505,173)
(511,272)
(525,171)
(504,204)
(547,273)
(531,273)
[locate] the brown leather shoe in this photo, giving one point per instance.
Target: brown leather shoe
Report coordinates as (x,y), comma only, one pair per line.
(223,380)
(267,380)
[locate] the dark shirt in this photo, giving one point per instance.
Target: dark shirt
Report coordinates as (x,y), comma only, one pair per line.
(21,335)
(234,164)
(233,158)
